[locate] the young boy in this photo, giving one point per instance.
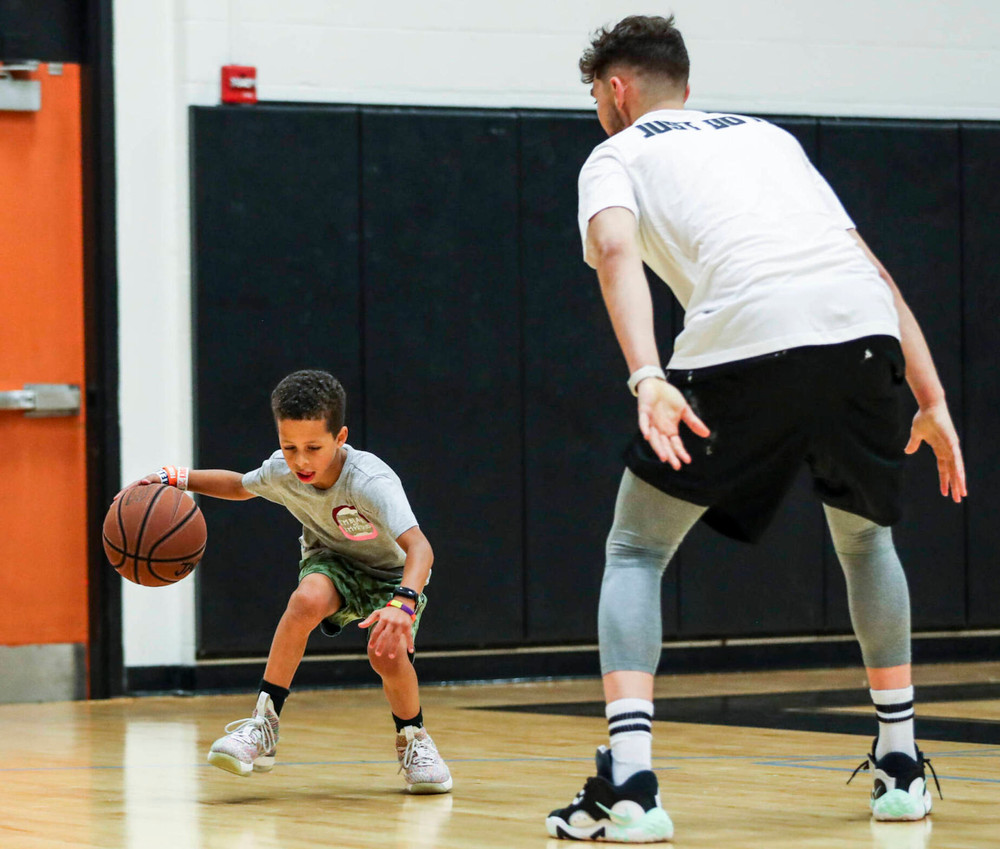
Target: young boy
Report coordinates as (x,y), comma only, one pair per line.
(363,557)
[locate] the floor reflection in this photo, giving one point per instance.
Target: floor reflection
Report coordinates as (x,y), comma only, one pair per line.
(160,784)
(421,819)
(901,835)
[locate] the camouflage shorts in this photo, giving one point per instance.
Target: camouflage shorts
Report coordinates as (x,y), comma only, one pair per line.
(360,593)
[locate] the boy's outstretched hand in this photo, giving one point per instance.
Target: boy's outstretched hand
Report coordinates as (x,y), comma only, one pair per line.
(391,624)
(153,477)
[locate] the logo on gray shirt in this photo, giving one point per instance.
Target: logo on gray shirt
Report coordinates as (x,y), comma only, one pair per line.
(353,524)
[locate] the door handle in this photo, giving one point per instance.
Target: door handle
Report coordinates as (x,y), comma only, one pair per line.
(41,400)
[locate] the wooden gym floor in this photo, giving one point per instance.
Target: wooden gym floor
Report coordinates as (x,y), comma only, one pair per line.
(744,760)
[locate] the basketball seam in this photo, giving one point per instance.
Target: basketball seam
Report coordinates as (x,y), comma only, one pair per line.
(121,530)
(142,530)
(108,544)
(156,575)
(196,555)
(118,550)
(174,529)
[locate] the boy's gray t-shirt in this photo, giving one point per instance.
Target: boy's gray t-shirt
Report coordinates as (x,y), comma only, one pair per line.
(359,517)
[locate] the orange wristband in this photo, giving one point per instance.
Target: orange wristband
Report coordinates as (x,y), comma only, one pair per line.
(174,476)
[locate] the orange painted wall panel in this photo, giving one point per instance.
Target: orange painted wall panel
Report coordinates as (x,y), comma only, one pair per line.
(43,495)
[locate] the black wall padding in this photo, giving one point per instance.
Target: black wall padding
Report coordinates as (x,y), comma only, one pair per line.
(46,30)
(900,183)
(431,259)
(276,289)
(981,302)
(775,587)
(443,353)
(577,411)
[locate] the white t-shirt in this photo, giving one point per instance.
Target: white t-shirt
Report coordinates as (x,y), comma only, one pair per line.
(747,234)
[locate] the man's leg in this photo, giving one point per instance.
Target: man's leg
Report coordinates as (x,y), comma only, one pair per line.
(622,803)
(648,529)
(879,602)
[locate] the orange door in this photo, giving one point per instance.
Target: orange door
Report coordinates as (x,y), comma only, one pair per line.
(43,489)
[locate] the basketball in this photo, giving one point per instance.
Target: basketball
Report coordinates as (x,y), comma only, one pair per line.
(154,535)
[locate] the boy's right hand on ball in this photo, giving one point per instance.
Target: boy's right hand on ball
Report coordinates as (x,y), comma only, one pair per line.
(153,477)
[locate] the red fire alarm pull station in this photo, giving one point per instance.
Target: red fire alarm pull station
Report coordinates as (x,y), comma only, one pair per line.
(239,84)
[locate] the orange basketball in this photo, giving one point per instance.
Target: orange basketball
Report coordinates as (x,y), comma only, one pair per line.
(154,535)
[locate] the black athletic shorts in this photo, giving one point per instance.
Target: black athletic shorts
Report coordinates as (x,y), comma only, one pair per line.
(839,408)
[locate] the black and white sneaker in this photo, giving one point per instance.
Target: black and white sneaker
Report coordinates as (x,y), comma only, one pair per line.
(899,791)
(624,813)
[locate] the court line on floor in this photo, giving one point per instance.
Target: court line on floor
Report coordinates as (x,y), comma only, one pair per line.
(799,762)
(941,777)
(382,762)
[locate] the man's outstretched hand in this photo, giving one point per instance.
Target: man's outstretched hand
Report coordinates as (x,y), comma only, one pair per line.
(662,408)
(933,425)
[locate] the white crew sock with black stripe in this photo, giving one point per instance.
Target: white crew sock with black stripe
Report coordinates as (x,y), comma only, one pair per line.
(894,709)
(630,727)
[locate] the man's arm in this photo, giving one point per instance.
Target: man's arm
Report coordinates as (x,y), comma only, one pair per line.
(932,423)
(613,250)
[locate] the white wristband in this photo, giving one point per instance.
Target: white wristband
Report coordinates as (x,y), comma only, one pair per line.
(641,374)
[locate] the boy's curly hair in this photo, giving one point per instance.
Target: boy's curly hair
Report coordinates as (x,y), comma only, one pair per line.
(646,43)
(310,394)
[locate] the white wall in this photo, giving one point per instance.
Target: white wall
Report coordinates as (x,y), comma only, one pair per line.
(888,58)
(910,58)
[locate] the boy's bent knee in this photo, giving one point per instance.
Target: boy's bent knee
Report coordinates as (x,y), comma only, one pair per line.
(312,604)
(389,666)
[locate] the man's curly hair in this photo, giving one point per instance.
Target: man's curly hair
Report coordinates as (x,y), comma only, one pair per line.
(312,395)
(645,43)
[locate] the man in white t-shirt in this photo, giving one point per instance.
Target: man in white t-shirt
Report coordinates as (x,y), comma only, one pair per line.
(795,349)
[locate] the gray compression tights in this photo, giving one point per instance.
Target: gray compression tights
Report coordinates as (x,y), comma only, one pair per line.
(650,525)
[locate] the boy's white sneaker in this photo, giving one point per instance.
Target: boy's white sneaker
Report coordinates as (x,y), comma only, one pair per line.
(420,762)
(250,744)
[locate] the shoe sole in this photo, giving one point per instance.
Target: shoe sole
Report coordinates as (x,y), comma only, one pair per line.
(900,806)
(427,788)
(238,767)
(654,827)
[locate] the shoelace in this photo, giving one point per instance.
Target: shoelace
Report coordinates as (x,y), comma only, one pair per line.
(418,752)
(866,764)
(863,765)
(580,793)
(255,730)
